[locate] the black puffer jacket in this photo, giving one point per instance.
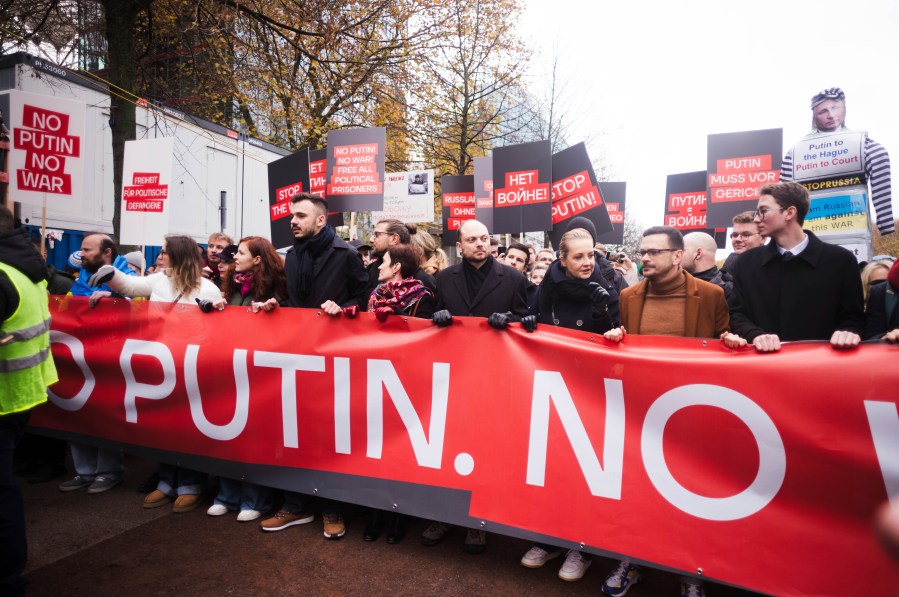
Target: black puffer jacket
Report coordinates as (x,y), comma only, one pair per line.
(565,302)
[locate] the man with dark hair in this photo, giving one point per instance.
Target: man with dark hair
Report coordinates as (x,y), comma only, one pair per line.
(796,287)
(323,272)
(517,257)
(27,370)
(743,237)
(98,469)
(392,233)
(494,247)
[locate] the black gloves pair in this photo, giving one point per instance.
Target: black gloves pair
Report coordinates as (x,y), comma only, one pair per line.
(497,321)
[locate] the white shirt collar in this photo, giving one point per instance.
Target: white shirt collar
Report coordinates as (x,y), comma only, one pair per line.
(797,249)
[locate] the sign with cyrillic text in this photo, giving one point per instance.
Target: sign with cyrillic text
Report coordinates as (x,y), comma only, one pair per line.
(522,175)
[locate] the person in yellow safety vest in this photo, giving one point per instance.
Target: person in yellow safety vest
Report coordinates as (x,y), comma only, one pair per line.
(26,369)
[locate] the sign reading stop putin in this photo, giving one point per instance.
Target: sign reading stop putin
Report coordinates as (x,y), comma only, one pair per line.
(47,157)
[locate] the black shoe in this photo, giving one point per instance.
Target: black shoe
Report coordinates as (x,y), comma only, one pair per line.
(397,530)
(47,472)
(375,526)
(150,484)
(28,467)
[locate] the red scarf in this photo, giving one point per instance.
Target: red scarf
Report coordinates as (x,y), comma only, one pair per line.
(399,296)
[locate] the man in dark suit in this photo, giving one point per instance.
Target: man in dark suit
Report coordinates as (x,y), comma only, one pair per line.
(795,287)
(480,286)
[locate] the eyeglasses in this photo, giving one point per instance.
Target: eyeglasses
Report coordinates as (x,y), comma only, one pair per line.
(163,253)
(761,212)
(736,235)
(653,253)
(377,232)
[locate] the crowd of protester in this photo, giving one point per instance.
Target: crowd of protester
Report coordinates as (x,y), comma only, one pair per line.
(781,284)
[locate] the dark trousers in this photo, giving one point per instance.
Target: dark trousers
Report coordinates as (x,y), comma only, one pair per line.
(13,545)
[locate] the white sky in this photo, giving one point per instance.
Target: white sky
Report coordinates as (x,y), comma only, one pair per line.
(652,79)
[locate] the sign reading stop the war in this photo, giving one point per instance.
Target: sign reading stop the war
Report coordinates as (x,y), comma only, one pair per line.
(287,177)
(614,194)
(355,169)
(521,188)
(457,194)
(146,176)
(47,157)
(575,192)
(738,165)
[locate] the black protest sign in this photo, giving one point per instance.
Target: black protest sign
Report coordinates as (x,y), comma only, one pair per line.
(521,188)
(685,205)
(318,168)
(457,193)
(575,192)
(355,169)
(738,164)
(614,195)
(286,177)
(483,191)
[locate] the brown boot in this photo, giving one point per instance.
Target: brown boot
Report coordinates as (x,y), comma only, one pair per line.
(156,499)
(186,503)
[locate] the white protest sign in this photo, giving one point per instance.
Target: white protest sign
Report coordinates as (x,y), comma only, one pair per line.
(146,176)
(47,157)
(408,197)
(829,155)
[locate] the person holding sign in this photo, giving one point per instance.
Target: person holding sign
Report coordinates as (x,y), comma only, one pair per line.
(829,116)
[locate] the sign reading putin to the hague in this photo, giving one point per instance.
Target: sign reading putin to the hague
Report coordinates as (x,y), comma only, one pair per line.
(355,169)
(146,186)
(46,164)
(522,175)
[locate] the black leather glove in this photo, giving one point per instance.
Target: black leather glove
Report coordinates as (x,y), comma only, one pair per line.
(499,321)
(529,323)
(442,318)
(598,294)
(103,275)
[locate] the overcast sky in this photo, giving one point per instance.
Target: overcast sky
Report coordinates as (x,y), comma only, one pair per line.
(651,80)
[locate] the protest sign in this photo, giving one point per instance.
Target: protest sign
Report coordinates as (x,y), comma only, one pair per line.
(483,191)
(738,164)
(355,169)
(685,205)
(614,196)
(46,164)
(521,188)
(317,178)
(287,177)
(457,194)
(575,192)
(393,415)
(408,197)
(146,179)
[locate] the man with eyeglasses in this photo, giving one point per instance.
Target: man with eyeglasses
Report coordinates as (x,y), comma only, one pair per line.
(391,233)
(796,287)
(667,302)
(744,236)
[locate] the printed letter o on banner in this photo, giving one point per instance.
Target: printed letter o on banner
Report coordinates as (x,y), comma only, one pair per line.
(78,400)
(772,457)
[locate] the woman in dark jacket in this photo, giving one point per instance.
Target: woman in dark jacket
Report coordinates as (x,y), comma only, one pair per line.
(257,280)
(882,310)
(573,293)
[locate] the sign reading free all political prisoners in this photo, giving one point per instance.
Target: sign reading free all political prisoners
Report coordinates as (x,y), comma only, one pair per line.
(760,470)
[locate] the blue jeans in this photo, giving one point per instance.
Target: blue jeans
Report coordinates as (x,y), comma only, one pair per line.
(176,480)
(13,544)
(242,495)
(91,462)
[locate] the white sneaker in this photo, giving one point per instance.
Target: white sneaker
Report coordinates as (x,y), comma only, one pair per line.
(575,566)
(217,510)
(537,556)
(248,515)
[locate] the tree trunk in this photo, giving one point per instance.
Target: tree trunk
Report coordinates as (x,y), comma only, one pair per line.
(121,16)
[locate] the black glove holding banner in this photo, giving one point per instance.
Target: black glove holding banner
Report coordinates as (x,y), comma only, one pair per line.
(103,275)
(529,323)
(442,318)
(499,321)
(598,294)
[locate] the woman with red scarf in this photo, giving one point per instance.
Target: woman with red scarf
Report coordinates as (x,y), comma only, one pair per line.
(398,293)
(257,281)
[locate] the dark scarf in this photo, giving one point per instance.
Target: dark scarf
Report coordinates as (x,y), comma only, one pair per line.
(17,251)
(245,281)
(399,296)
(306,250)
(474,277)
(557,285)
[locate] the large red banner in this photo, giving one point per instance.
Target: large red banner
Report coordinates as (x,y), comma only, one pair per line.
(758,470)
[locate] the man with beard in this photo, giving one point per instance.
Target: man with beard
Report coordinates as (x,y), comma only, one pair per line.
(98,469)
(323,272)
(218,242)
(392,233)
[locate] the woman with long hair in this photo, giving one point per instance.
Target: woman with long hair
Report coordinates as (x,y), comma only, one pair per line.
(180,281)
(257,279)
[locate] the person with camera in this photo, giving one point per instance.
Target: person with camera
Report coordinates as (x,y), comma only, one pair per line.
(180,281)
(256,280)
(573,295)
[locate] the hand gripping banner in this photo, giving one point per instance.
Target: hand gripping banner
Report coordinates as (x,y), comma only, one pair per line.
(756,470)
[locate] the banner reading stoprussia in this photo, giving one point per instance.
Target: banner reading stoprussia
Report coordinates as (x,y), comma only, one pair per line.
(758,470)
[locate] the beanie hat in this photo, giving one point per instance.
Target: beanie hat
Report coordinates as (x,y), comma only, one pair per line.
(582,222)
(75,260)
(135,259)
(893,276)
(834,93)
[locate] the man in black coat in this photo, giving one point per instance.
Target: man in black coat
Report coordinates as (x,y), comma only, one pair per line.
(323,272)
(796,287)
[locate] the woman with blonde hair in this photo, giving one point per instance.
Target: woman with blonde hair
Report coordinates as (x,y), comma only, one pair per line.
(875,273)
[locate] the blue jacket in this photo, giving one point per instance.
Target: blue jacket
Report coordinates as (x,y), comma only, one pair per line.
(80,287)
